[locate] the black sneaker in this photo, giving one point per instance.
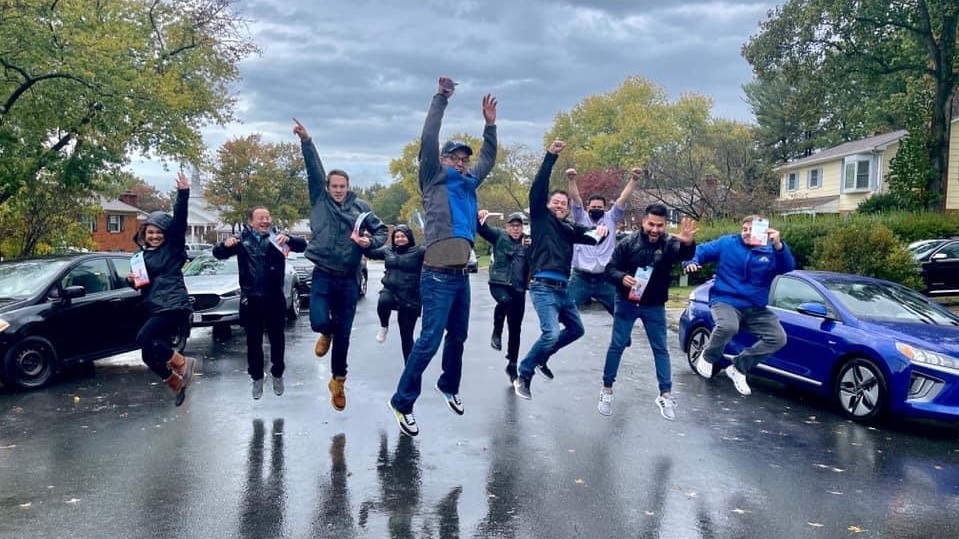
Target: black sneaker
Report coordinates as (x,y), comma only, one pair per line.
(511,372)
(496,341)
(545,371)
(452,400)
(521,387)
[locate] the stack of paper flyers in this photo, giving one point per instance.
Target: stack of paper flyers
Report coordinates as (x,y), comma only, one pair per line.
(642,279)
(139,269)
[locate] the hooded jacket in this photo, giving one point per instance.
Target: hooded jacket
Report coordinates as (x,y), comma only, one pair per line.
(330,246)
(166,290)
(403,266)
(261,265)
(636,251)
(510,265)
(743,273)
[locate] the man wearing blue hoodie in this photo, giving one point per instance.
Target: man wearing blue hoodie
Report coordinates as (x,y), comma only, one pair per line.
(745,270)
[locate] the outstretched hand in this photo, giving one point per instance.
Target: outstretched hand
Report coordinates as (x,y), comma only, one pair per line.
(688,229)
(489,109)
(182,180)
(299,130)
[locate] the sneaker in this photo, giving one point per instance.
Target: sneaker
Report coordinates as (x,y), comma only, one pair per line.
(739,380)
(545,371)
(277,386)
(496,341)
(521,387)
(703,367)
(511,372)
(381,334)
(322,345)
(606,401)
(452,400)
(406,422)
(667,407)
(257,389)
(337,392)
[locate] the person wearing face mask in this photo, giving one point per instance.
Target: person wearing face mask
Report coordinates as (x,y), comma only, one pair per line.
(162,242)
(550,254)
(261,260)
(588,279)
(507,282)
(745,269)
(344,229)
(641,270)
(403,261)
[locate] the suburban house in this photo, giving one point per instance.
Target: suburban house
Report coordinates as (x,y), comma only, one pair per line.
(113,228)
(837,179)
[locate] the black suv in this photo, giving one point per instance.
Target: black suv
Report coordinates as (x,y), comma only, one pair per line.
(939,263)
(66,309)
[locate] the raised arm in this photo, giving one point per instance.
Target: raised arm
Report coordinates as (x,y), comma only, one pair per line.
(487,157)
(430,138)
(539,189)
(634,175)
(316,176)
(485,231)
(177,231)
(573,188)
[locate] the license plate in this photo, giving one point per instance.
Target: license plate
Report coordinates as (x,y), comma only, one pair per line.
(197,317)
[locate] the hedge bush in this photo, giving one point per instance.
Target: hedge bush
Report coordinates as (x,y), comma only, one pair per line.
(870,249)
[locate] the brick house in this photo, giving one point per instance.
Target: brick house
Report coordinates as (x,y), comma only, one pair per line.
(113,228)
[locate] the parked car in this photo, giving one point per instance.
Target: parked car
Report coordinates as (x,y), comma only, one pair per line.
(304,272)
(871,346)
(194,250)
(61,310)
(939,264)
(214,288)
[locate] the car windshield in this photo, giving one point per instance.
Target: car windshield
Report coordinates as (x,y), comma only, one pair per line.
(20,280)
(887,301)
(208,265)
(919,249)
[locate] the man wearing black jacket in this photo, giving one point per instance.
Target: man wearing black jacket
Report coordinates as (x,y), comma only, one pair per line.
(551,255)
(641,270)
(261,260)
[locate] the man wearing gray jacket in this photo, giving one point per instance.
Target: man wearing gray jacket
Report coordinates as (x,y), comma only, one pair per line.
(344,228)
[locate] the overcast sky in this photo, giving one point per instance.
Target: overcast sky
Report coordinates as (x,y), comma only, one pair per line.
(360,74)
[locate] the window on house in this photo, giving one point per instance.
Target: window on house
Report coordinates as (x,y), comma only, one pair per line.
(114,223)
(89,222)
(857,174)
(792,181)
(814,178)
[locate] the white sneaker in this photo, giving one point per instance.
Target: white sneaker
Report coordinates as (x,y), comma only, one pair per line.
(703,367)
(739,380)
(667,407)
(606,401)
(381,334)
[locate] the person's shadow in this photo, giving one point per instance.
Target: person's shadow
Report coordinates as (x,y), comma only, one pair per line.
(399,475)
(262,505)
(333,516)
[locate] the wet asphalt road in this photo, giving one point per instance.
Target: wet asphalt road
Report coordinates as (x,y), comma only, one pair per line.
(109,456)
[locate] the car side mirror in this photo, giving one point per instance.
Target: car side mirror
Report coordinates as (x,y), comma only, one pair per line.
(73,292)
(813,308)
(939,256)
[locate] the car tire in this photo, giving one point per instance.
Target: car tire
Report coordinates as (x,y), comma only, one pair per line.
(860,390)
(30,363)
(694,343)
(293,309)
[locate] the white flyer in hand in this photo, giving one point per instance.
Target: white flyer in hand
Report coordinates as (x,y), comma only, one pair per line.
(139,269)
(759,235)
(358,224)
(642,279)
(285,249)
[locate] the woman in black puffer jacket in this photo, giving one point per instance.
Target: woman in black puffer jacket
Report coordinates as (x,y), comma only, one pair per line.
(401,285)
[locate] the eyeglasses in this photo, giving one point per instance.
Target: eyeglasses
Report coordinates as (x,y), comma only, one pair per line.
(463,159)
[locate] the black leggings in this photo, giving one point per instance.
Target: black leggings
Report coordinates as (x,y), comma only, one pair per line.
(511,306)
(259,313)
(156,339)
(405,317)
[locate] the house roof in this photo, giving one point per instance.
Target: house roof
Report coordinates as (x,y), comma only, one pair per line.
(876,143)
(807,202)
(117,206)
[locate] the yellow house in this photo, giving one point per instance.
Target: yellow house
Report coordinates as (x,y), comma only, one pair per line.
(837,179)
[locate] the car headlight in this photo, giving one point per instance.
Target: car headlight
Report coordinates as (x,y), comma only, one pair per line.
(231,294)
(3,325)
(926,357)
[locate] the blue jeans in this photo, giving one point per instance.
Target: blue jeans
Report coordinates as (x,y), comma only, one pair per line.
(553,307)
(332,309)
(584,286)
(654,321)
(446,306)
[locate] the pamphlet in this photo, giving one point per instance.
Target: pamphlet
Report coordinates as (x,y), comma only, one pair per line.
(642,279)
(139,269)
(758,236)
(358,224)
(491,214)
(285,249)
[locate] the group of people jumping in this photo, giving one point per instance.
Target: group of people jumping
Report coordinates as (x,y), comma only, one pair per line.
(567,259)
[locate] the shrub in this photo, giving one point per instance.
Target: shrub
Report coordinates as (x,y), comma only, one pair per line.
(868,249)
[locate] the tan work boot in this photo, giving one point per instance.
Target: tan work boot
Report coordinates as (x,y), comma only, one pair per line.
(337,393)
(175,383)
(322,345)
(183,366)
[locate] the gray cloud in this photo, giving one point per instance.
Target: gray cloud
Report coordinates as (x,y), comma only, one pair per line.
(360,74)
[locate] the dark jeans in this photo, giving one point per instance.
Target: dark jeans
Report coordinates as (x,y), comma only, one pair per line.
(156,339)
(446,306)
(510,307)
(259,313)
(583,286)
(654,322)
(405,317)
(761,322)
(554,308)
(332,308)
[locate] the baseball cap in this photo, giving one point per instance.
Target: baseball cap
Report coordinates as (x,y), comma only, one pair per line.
(516,216)
(453,145)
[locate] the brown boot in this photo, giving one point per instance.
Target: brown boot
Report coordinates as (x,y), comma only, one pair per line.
(322,345)
(182,366)
(337,393)
(176,384)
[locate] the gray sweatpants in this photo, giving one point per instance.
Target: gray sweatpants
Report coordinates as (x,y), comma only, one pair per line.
(761,322)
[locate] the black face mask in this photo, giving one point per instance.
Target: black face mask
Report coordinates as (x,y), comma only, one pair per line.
(596,215)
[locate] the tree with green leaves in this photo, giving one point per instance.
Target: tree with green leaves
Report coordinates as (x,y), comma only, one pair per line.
(42,217)
(863,56)
(85,83)
(249,172)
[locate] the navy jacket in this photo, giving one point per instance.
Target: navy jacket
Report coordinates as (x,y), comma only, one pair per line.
(166,290)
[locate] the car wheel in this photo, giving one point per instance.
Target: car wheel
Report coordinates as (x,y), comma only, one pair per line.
(694,344)
(860,390)
(179,338)
(363,283)
(293,309)
(30,363)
